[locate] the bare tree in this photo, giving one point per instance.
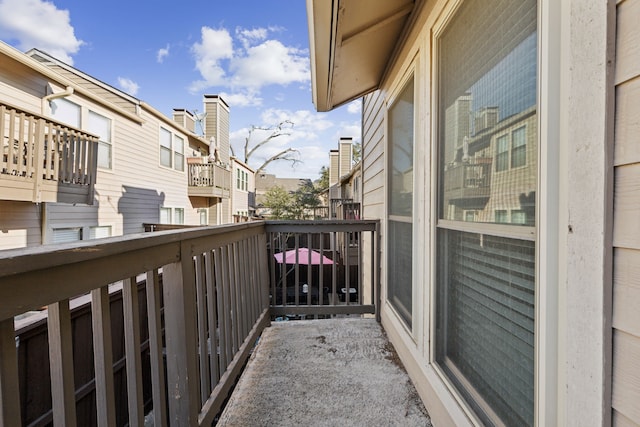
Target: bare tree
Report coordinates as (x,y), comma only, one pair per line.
(288,154)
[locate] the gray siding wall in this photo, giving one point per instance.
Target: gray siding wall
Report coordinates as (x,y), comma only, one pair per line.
(626,274)
(19,224)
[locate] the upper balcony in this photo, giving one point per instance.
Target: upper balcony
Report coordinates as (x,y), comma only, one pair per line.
(164,322)
(468,184)
(208,179)
(44,160)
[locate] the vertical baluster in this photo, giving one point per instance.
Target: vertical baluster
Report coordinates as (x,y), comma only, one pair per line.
(334,266)
(296,280)
(73,157)
(212,316)
(64,155)
(30,142)
(155,349)
(57,145)
(49,145)
(11,155)
(309,268)
(233,297)
(321,269)
(83,143)
(346,235)
(9,384)
(131,311)
(21,166)
(221,289)
(264,271)
(103,356)
(4,141)
(203,345)
(61,363)
(228,333)
(180,331)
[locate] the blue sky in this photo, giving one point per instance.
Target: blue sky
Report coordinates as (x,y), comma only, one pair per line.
(255,54)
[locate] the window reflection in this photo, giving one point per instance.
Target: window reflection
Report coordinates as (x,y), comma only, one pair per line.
(489,155)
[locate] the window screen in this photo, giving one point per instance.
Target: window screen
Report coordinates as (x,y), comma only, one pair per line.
(487,164)
(400,225)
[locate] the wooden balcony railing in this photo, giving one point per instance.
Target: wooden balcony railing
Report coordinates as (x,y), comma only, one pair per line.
(209,180)
(468,184)
(189,302)
(44,160)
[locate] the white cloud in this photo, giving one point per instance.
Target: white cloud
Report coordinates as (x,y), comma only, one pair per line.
(355,107)
(270,62)
(214,47)
(128,86)
(259,62)
(162,53)
(39,24)
(242,99)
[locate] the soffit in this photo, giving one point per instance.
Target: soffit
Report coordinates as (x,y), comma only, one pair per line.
(351,44)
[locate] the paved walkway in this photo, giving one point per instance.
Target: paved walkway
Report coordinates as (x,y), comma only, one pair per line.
(338,372)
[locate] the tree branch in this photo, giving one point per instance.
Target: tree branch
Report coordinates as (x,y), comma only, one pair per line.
(276,132)
(287,155)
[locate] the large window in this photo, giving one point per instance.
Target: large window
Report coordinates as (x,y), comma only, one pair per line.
(66,111)
(171,150)
(487,163)
(101,126)
(242,180)
(400,224)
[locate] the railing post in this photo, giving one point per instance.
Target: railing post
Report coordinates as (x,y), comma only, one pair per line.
(38,158)
(61,362)
(9,385)
(103,356)
(180,330)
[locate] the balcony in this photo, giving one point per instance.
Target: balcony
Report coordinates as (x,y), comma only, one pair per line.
(43,160)
(468,185)
(162,323)
(209,180)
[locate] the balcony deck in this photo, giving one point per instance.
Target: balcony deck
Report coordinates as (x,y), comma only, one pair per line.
(172,317)
(328,372)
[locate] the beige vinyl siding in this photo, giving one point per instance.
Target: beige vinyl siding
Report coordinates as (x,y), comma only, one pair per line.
(372,191)
(373,156)
(626,234)
(134,190)
(21,87)
(19,224)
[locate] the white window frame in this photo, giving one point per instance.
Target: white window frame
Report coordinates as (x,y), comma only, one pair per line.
(414,331)
(105,141)
(172,145)
(547,199)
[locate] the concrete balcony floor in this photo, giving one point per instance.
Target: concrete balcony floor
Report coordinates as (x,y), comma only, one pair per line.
(337,372)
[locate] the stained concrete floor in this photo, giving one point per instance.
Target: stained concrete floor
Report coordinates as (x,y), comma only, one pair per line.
(334,372)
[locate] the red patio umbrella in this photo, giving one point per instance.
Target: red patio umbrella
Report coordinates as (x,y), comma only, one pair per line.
(303,257)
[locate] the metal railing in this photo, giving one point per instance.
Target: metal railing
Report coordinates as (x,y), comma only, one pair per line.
(39,157)
(205,296)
